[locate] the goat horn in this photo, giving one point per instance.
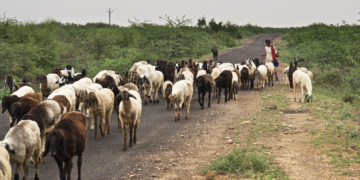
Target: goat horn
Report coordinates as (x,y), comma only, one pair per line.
(245,56)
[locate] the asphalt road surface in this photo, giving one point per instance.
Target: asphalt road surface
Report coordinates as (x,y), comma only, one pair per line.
(104,158)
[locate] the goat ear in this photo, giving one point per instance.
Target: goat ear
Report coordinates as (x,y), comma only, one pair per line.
(118,98)
(65,147)
(131,95)
(47,148)
(9,149)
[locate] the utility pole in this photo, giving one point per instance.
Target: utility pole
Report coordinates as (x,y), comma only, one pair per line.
(109,11)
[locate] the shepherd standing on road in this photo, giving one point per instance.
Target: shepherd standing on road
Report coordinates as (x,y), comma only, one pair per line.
(271,53)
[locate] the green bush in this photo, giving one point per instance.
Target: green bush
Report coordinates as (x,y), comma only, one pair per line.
(247,164)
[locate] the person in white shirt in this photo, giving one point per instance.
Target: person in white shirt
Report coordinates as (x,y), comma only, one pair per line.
(269,55)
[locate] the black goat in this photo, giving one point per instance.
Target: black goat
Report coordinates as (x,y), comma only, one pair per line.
(66,140)
(224,81)
(244,78)
(204,84)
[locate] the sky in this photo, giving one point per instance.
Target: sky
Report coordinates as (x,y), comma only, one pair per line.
(269,13)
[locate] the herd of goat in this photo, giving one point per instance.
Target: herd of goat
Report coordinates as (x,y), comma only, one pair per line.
(51,122)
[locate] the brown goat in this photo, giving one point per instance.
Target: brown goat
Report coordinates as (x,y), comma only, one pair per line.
(124,80)
(63,102)
(106,81)
(66,140)
(292,69)
(23,106)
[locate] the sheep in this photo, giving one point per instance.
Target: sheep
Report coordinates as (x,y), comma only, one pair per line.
(286,71)
(215,53)
(261,73)
(5,168)
(124,80)
(154,80)
(252,67)
(167,88)
(46,114)
(224,81)
(303,69)
(182,92)
(302,80)
(66,140)
(78,76)
(200,65)
(129,114)
(102,74)
(204,84)
(59,72)
(23,106)
(238,76)
(244,75)
(200,73)
(270,72)
(47,84)
(83,98)
(234,86)
(311,76)
(22,142)
(7,101)
(69,71)
(106,81)
(215,73)
(169,72)
(66,98)
(136,65)
(101,104)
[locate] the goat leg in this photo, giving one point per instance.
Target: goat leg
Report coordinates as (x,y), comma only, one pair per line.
(79,163)
(131,129)
(69,170)
(60,165)
(209,99)
(175,110)
(101,125)
(125,136)
(135,128)
(25,170)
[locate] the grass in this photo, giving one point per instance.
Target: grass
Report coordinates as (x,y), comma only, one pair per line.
(341,129)
(247,163)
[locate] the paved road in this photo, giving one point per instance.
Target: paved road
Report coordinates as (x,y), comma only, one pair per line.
(104,157)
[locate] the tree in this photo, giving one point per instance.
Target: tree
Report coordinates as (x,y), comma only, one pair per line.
(202,22)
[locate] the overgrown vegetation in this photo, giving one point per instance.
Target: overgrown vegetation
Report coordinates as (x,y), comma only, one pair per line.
(28,48)
(332,53)
(247,163)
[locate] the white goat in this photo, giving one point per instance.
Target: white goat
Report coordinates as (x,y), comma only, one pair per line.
(101,103)
(200,73)
(136,65)
(215,73)
(5,168)
(48,84)
(130,113)
(252,67)
(302,80)
(311,76)
(152,81)
(23,141)
(270,72)
(234,85)
(182,92)
(286,72)
(261,74)
(22,91)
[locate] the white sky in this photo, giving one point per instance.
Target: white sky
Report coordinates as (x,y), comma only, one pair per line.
(273,13)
